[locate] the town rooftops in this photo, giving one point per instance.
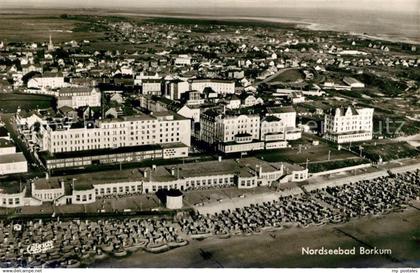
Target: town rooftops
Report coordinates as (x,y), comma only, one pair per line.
(270,119)
(341,111)
(211,80)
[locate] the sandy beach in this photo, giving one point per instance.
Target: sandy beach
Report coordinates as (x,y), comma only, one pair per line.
(398,231)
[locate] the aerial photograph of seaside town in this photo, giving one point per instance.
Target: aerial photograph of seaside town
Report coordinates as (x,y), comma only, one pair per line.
(210,134)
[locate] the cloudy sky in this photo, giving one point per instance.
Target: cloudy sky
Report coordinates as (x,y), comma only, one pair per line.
(387,5)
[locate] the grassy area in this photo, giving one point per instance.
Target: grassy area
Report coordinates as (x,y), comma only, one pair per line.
(289,75)
(312,153)
(385,85)
(331,165)
(394,126)
(389,151)
(24,28)
(10,102)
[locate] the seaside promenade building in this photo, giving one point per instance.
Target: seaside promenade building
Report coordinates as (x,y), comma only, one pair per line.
(351,124)
(87,188)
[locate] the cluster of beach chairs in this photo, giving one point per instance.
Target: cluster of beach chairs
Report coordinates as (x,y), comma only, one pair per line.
(74,243)
(333,204)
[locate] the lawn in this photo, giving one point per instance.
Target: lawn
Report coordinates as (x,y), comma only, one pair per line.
(312,153)
(389,151)
(10,102)
(331,165)
(288,75)
(24,28)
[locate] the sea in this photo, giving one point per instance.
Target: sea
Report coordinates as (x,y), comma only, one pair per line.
(385,25)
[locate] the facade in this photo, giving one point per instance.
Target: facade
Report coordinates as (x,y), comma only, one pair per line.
(287,116)
(87,188)
(221,87)
(47,83)
(183,60)
(152,87)
(11,162)
(114,156)
(76,97)
(233,133)
(159,128)
(243,173)
(351,124)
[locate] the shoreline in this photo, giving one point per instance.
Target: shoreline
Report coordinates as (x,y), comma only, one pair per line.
(302,24)
(398,231)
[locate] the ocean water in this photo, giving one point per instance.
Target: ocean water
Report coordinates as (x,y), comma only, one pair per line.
(398,26)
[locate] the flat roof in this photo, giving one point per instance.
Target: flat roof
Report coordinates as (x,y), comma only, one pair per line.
(5,143)
(12,158)
(3,132)
(209,168)
(11,187)
(47,184)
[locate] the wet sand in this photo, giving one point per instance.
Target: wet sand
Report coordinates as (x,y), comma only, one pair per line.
(399,232)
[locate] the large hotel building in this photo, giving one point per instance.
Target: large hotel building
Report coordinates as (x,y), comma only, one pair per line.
(124,139)
(351,124)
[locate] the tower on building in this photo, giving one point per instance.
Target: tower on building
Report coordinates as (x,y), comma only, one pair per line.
(50,45)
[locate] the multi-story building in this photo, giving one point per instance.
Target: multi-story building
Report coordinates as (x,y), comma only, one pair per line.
(287,116)
(76,97)
(183,60)
(222,87)
(230,132)
(351,124)
(152,87)
(128,131)
(11,161)
(47,83)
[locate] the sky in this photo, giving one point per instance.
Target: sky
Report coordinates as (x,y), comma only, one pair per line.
(378,5)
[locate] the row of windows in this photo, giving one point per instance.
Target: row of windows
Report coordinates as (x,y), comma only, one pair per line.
(120,189)
(11,201)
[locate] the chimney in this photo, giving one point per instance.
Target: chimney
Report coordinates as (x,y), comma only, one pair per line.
(153,167)
(173,171)
(220,158)
(145,174)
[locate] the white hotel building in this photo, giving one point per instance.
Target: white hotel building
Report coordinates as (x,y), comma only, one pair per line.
(345,125)
(138,130)
(232,133)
